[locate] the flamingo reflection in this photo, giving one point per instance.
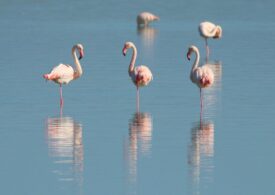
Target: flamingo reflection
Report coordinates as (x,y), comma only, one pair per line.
(64,137)
(147,34)
(212,96)
(139,141)
(201,153)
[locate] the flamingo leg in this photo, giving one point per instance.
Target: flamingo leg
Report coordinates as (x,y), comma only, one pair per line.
(61,97)
(61,112)
(201,99)
(207,49)
(137,99)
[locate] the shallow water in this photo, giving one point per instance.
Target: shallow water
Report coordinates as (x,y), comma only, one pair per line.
(100,145)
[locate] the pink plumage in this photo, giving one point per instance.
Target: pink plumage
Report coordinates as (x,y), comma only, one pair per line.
(140,75)
(63,74)
(209,30)
(202,76)
(145,18)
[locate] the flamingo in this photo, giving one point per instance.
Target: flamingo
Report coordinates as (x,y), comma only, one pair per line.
(202,76)
(209,30)
(63,73)
(140,75)
(144,18)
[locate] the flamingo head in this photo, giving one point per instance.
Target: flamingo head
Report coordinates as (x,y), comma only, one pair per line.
(191,49)
(156,18)
(80,50)
(127,45)
(218,33)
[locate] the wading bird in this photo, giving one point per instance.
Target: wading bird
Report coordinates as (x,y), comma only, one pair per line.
(140,75)
(202,76)
(209,30)
(144,18)
(63,73)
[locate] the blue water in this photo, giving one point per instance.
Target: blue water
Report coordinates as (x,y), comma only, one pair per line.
(101,145)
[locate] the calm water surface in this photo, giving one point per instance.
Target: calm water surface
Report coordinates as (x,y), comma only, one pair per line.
(101,145)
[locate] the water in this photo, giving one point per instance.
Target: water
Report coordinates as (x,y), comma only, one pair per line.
(101,145)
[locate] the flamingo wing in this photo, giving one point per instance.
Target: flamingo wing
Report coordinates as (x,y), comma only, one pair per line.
(202,76)
(62,74)
(196,75)
(146,17)
(143,75)
(207,29)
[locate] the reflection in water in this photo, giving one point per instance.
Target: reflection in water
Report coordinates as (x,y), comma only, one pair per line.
(139,141)
(212,94)
(66,148)
(200,155)
(147,35)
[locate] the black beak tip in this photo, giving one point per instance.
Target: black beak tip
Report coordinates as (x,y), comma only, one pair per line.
(188,56)
(124,54)
(80,57)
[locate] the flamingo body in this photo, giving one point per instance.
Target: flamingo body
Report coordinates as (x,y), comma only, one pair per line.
(145,18)
(61,74)
(210,30)
(203,76)
(141,76)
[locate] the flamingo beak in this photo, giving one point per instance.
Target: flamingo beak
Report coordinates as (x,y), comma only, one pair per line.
(81,55)
(124,50)
(157,18)
(188,55)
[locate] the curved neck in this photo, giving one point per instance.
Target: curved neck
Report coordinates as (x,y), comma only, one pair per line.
(78,70)
(214,31)
(133,60)
(197,59)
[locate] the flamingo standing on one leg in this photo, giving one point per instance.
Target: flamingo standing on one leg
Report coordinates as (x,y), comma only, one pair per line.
(63,73)
(144,18)
(209,30)
(140,75)
(202,76)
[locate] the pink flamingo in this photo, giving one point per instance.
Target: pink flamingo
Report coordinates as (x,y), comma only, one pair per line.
(202,76)
(145,18)
(63,73)
(209,30)
(140,75)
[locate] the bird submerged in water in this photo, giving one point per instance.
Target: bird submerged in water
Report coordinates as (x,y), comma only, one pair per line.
(144,18)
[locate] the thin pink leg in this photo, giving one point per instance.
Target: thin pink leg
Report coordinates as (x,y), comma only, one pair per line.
(201,101)
(61,97)
(207,50)
(137,99)
(61,112)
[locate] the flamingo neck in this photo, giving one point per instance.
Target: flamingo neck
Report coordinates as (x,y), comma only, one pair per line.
(197,59)
(78,70)
(214,32)
(133,60)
